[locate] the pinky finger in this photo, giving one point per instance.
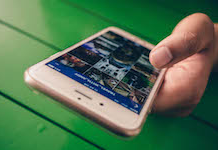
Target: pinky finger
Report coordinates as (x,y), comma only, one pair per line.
(181,111)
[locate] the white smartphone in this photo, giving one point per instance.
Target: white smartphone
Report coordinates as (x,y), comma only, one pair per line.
(107,78)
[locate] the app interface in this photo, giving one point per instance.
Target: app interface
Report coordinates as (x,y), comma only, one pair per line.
(113,66)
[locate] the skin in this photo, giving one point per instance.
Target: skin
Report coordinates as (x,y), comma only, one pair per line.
(192,53)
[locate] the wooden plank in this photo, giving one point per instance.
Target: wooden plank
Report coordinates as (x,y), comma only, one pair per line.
(57,24)
(21,129)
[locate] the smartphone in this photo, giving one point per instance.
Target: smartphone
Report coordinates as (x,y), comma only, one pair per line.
(106,78)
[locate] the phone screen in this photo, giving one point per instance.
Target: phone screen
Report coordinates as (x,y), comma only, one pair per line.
(113,66)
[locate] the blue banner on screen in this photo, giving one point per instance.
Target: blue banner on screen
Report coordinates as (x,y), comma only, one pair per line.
(113,66)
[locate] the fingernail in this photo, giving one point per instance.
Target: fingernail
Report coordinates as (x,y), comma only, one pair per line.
(161,56)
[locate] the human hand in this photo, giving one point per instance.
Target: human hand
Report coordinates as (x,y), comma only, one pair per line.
(189,53)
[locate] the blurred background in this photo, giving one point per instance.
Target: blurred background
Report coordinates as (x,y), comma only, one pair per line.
(31,31)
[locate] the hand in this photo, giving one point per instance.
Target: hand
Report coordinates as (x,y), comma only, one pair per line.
(189,53)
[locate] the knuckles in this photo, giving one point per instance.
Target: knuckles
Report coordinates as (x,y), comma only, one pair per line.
(203,17)
(207,23)
(185,114)
(194,96)
(190,41)
(197,37)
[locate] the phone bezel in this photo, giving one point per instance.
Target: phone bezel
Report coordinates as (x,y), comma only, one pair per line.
(56,85)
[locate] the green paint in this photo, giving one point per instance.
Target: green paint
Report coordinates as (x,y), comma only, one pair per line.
(62,24)
(41,128)
(19,130)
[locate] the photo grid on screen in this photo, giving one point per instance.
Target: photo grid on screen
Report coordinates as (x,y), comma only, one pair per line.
(115,62)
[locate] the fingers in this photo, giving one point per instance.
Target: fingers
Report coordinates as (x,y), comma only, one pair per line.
(183,86)
(191,35)
(186,80)
(181,111)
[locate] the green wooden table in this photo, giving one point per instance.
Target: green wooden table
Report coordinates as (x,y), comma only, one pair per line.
(30,31)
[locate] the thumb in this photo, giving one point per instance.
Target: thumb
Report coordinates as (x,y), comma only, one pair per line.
(191,35)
